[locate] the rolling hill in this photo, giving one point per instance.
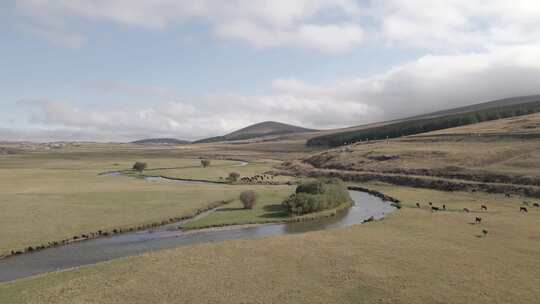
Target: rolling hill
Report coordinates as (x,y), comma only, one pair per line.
(161,141)
(267,128)
(456,117)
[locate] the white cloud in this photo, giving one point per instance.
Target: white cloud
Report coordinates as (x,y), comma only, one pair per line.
(449,25)
(326,25)
(260,23)
(433,82)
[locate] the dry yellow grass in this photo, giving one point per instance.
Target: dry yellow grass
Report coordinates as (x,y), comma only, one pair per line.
(54,196)
(413,256)
(435,152)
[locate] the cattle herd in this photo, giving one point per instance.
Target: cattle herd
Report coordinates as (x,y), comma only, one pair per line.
(258,179)
(478,220)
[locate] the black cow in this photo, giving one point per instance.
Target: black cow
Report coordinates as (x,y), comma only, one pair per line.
(478,220)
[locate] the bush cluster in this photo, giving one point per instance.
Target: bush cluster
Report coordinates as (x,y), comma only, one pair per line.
(233,177)
(139,166)
(315,196)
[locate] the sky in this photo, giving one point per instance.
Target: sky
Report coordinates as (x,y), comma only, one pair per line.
(120,70)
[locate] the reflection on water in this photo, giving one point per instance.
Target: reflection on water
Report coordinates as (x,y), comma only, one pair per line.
(103,249)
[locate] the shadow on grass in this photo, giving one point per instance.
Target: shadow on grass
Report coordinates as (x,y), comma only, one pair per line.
(274,211)
(274,208)
(230,209)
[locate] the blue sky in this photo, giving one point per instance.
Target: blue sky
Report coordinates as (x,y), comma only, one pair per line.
(120,70)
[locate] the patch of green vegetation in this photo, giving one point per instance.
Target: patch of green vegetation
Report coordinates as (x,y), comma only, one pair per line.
(267,209)
(315,196)
(417,126)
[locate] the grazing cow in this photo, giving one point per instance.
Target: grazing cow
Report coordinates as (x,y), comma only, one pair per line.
(536,205)
(418,205)
(435,208)
(483,207)
(485,232)
(478,220)
(523,209)
(466,210)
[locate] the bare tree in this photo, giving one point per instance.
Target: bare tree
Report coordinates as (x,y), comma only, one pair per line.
(248,199)
(205,162)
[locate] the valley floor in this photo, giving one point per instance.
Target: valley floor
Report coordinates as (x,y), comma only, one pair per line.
(413,256)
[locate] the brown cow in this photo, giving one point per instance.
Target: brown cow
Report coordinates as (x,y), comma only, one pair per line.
(466,210)
(483,207)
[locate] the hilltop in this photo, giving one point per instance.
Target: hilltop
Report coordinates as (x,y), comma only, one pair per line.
(161,141)
(266,128)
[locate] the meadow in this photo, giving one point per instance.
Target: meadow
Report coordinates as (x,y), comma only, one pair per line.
(412,256)
(51,196)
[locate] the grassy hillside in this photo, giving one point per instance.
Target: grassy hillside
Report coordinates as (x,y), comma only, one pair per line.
(161,141)
(432,122)
(267,128)
(500,155)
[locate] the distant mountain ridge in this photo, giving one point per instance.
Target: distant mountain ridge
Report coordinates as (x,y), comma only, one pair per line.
(266,128)
(161,141)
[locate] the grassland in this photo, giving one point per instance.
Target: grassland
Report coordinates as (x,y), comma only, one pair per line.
(413,256)
(51,196)
(267,209)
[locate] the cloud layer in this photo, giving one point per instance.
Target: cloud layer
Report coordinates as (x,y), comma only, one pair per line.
(471,51)
(260,23)
(428,84)
(326,25)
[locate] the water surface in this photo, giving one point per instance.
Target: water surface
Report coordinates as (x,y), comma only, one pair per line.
(129,244)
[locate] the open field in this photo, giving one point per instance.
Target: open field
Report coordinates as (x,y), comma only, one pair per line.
(413,256)
(218,170)
(52,196)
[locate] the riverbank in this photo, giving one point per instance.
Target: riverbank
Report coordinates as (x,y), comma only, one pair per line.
(97,250)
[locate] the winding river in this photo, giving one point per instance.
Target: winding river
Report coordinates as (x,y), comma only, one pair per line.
(170,236)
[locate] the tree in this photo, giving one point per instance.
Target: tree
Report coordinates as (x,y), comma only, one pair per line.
(248,199)
(233,177)
(205,162)
(139,166)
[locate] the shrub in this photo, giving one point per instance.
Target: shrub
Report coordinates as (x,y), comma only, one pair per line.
(205,162)
(233,177)
(248,199)
(313,187)
(139,166)
(316,196)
